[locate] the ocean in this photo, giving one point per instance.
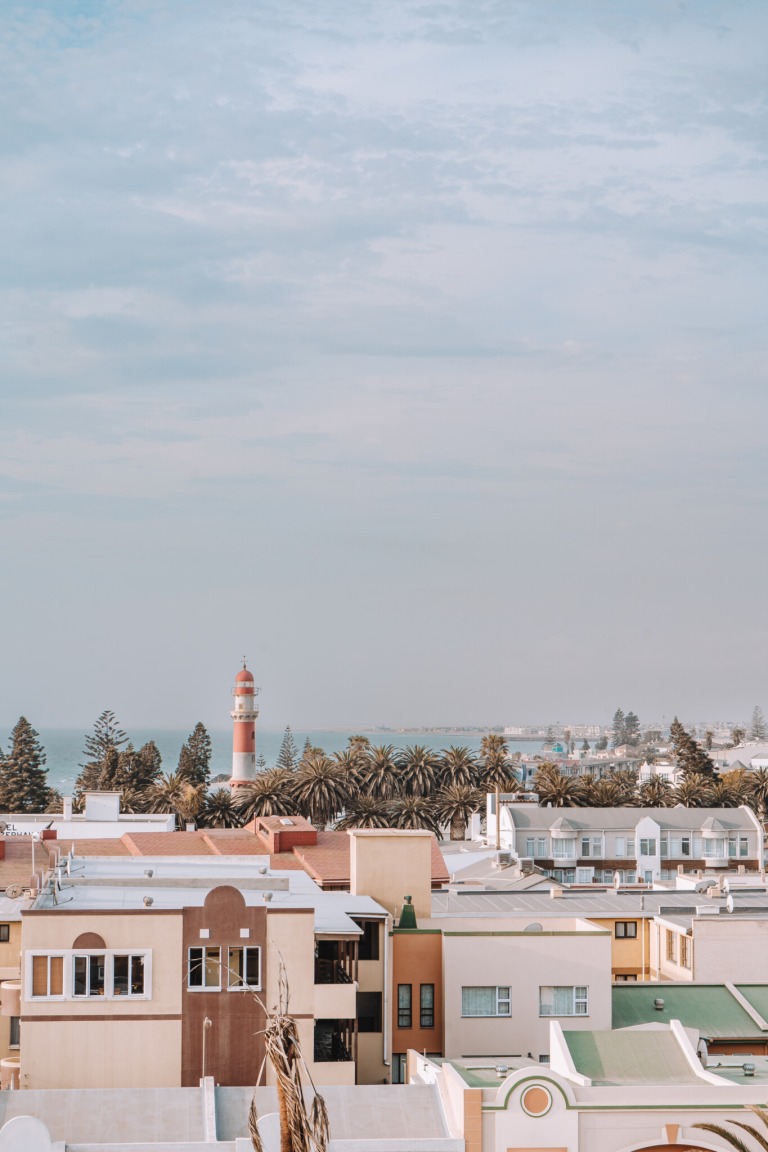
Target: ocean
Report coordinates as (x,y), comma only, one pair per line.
(64,747)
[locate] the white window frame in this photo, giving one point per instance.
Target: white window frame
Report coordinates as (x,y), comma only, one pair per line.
(579,996)
(68,974)
(503,1003)
(204,948)
(645,850)
(244,948)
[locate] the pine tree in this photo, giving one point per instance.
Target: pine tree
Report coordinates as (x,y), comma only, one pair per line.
(195,757)
(618,728)
(585,746)
(23,775)
(691,758)
(261,763)
(107,737)
(288,756)
(757,730)
(631,729)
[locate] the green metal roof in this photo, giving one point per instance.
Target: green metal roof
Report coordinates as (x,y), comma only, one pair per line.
(757,996)
(709,1007)
(629,1058)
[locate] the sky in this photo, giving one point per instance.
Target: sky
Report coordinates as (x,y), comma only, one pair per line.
(415,351)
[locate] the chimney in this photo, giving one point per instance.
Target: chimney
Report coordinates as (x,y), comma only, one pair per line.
(67,807)
(407,915)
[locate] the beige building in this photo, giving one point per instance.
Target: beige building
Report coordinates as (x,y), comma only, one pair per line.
(712,944)
(124,962)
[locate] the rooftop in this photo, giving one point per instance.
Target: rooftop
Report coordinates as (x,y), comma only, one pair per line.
(624,1058)
(713,1009)
(587,819)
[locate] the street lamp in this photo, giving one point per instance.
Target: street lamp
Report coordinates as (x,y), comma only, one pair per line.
(207,1022)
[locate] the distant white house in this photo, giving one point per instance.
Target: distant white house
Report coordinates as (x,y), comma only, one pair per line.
(101,819)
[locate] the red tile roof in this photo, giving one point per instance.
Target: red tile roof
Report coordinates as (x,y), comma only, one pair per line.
(16,868)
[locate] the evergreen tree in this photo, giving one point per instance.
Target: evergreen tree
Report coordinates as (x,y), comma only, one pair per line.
(195,757)
(691,758)
(757,730)
(288,756)
(107,737)
(261,762)
(618,728)
(23,775)
(601,744)
(585,746)
(631,729)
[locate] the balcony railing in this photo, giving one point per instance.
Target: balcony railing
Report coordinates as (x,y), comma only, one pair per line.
(331,972)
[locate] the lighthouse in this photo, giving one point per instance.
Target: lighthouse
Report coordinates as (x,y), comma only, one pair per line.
(244,716)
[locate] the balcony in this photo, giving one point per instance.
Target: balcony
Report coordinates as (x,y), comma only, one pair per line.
(10,998)
(335,1001)
(333,1052)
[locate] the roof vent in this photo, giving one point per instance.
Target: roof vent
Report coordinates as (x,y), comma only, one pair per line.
(267,897)
(148,901)
(659,1004)
(502,1071)
(149,872)
(262,869)
(748,1069)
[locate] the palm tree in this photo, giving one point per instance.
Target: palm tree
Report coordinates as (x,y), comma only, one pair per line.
(458,766)
(495,770)
(320,788)
(220,810)
(625,780)
(455,804)
(414,812)
(758,791)
(173,793)
(270,794)
(419,769)
(605,793)
(731,1138)
(656,792)
(365,812)
(725,794)
(557,790)
(378,772)
(693,791)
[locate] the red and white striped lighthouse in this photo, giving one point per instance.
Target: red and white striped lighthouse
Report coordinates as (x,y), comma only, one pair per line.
(244,716)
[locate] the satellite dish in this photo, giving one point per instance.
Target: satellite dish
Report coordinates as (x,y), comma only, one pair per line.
(13,891)
(729,903)
(3,826)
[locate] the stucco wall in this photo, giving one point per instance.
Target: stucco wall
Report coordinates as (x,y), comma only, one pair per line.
(474,952)
(101,1054)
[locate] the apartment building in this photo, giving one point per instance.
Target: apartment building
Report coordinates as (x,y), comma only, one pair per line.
(586,845)
(711,944)
(157,971)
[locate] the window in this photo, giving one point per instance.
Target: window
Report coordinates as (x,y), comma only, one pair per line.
(128,975)
(743,846)
(47,975)
(486,1001)
(619,846)
(205,969)
(368,943)
(685,846)
(5,933)
(585,845)
(732,845)
(626,929)
(88,975)
(427,1006)
(541,846)
(631,846)
(564,1000)
(648,847)
(404,1005)
(564,849)
(530,845)
(15,1037)
(244,970)
(685,952)
(664,848)
(625,977)
(671,949)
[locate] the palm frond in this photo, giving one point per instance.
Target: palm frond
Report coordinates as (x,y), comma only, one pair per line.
(724,1134)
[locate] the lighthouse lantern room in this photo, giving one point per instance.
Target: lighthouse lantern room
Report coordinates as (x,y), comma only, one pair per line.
(244,716)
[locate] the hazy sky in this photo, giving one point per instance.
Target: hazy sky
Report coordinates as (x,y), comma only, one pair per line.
(415,350)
